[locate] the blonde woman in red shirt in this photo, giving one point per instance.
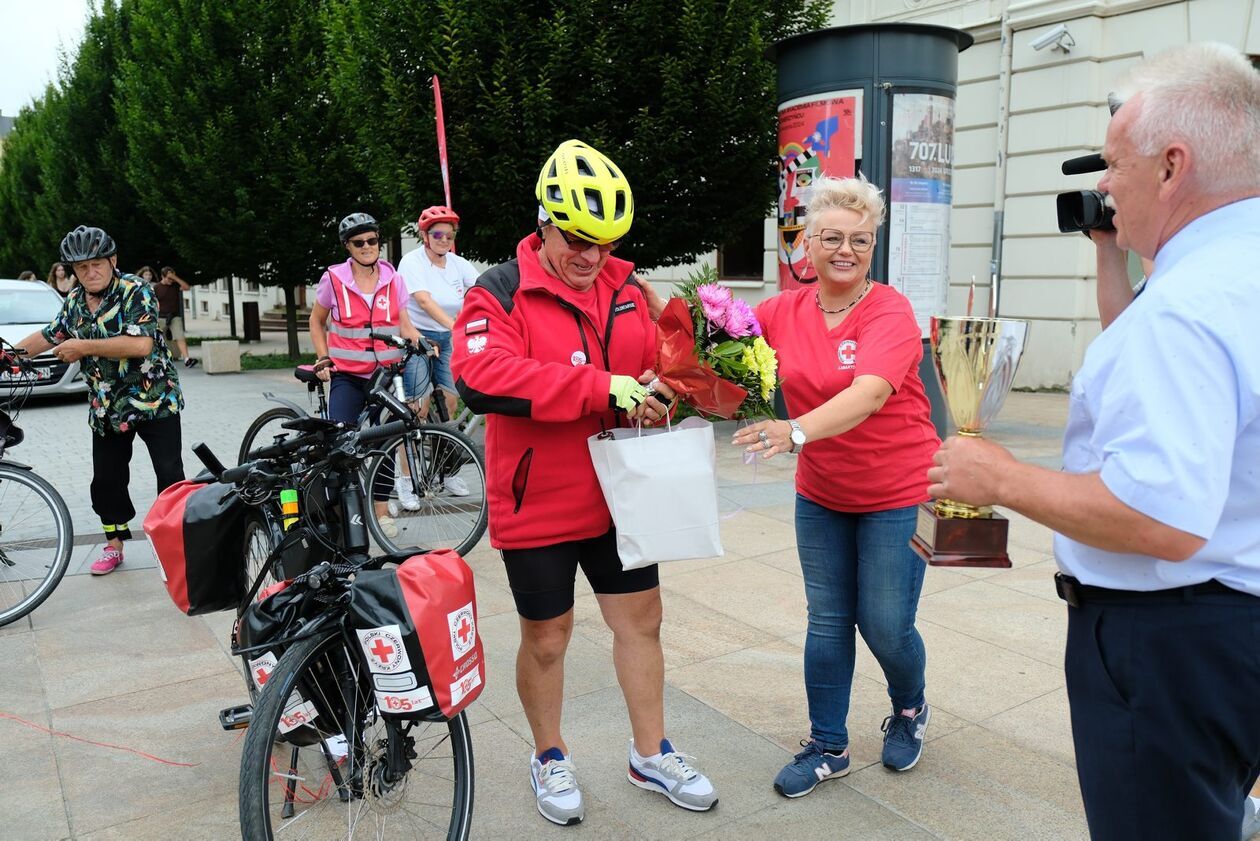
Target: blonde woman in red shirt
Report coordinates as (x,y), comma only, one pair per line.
(849,351)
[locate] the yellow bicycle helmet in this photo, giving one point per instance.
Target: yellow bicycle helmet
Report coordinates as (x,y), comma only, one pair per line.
(585,194)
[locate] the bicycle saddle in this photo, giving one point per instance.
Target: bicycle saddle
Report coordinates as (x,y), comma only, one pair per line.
(306,374)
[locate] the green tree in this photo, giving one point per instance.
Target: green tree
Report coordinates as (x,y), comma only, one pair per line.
(22,245)
(65,163)
(677,92)
(84,161)
(232,137)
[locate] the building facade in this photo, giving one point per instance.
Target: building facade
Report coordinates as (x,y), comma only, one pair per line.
(1025,104)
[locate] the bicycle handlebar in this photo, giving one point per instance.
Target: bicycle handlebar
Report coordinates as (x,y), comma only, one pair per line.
(426,348)
(379,433)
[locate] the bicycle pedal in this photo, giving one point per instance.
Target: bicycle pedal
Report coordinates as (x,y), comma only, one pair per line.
(236,718)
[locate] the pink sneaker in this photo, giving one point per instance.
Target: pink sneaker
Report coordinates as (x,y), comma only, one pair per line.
(110,560)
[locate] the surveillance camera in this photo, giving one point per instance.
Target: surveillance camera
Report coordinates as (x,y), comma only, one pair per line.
(1058,37)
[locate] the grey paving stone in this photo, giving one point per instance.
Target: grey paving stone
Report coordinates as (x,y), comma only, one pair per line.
(111,659)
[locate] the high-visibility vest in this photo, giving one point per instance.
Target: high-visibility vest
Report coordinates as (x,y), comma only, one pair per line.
(350,345)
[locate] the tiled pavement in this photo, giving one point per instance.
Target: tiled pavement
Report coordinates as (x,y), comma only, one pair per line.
(111,660)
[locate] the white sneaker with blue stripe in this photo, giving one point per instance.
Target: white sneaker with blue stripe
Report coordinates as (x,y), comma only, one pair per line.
(671,773)
(555,786)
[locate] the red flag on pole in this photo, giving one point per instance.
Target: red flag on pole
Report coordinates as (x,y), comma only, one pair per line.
(441,138)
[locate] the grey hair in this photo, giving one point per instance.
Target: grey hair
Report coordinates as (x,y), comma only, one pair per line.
(1207,96)
(855,194)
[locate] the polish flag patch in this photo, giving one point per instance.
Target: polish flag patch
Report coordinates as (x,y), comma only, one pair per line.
(480,325)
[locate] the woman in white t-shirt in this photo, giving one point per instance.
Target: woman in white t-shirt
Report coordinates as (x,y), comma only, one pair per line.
(436,282)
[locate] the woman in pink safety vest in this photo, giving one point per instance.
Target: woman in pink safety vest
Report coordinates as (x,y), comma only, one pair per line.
(361,296)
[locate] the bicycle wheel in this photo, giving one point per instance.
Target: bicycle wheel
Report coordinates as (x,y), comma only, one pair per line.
(328,774)
(35,541)
(448,510)
(258,543)
(264,430)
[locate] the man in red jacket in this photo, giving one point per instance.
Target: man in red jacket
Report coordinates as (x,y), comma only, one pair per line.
(556,346)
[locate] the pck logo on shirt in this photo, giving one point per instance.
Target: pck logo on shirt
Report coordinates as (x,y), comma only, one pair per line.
(847,354)
(577,358)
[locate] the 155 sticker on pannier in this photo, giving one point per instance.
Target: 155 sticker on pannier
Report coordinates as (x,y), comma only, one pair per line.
(397,688)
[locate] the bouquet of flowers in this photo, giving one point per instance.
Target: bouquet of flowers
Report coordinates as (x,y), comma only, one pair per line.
(711,352)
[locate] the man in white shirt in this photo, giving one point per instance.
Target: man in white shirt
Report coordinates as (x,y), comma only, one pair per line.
(1157,509)
(437,279)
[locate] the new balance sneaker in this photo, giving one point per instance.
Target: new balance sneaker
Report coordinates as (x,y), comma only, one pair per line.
(903,738)
(110,560)
(555,786)
(809,768)
(406,494)
(456,486)
(670,773)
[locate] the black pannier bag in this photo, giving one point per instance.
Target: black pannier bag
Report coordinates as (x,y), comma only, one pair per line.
(197,531)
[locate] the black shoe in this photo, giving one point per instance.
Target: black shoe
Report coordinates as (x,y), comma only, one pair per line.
(190,363)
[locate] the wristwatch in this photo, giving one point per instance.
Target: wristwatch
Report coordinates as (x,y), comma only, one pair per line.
(798,436)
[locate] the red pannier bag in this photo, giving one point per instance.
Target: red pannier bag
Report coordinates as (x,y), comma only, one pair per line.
(417,624)
(197,532)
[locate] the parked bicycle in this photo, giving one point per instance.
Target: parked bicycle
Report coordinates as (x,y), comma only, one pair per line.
(428,489)
(36,534)
(320,760)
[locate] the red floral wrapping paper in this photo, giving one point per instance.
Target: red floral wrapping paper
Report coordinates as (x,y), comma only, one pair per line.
(678,367)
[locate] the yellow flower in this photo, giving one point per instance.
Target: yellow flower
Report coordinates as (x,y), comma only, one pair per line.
(767,365)
(750,360)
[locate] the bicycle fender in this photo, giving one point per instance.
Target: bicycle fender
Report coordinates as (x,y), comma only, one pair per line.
(302,411)
(19,465)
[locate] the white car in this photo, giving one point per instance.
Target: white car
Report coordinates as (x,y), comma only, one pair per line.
(27,306)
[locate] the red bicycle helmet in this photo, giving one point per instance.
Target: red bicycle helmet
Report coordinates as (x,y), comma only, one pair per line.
(430,216)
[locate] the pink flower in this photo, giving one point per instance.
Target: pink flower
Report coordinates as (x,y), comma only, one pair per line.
(740,320)
(714,300)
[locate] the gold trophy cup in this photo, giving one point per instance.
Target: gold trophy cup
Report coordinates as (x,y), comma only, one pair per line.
(975,360)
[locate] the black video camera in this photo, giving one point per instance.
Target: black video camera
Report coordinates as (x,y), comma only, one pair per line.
(1084,210)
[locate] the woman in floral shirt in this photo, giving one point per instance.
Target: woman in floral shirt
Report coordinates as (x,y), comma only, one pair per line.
(109,324)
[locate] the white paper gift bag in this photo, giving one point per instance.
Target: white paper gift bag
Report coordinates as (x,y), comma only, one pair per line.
(661,487)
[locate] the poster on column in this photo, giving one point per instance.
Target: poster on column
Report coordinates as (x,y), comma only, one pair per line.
(818,135)
(918,215)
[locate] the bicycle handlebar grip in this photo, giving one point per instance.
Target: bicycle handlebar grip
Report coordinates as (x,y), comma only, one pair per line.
(289,445)
(209,459)
(379,433)
(396,341)
(236,475)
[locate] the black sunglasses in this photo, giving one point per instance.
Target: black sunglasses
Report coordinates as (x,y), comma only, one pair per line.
(579,244)
(366,242)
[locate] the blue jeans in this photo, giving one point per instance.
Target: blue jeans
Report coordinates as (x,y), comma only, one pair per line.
(416,379)
(859,572)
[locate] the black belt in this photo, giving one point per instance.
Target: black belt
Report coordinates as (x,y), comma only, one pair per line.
(1076,594)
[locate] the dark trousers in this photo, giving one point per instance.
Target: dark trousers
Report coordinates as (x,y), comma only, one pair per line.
(1165,700)
(347,395)
(111,469)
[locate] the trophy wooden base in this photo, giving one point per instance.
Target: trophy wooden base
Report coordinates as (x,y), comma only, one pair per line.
(959,541)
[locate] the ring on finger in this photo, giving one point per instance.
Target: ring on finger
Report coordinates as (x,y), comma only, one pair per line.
(765,439)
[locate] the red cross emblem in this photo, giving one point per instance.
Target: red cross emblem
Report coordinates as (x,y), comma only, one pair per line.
(465,628)
(381,650)
(260,676)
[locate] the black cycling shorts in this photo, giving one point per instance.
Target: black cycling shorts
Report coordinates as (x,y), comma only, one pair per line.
(542,579)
